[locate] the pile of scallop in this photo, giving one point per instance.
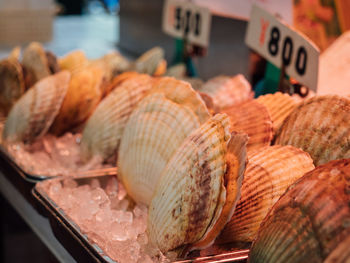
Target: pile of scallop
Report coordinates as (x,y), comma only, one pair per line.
(213,165)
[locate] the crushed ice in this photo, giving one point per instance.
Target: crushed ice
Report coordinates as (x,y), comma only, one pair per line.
(108,217)
(51,155)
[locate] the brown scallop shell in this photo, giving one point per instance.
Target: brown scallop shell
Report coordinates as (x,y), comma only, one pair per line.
(252,118)
(269,173)
(279,105)
(319,126)
(11,83)
(311,220)
(35,63)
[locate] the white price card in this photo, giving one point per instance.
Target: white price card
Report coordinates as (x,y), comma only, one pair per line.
(186,20)
(280,44)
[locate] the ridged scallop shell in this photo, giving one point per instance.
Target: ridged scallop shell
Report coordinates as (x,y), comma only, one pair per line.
(155,130)
(198,189)
(181,92)
(196,83)
(35,63)
(319,126)
(279,105)
(34,112)
(113,64)
(119,79)
(252,118)
(73,61)
(11,83)
(103,130)
(176,71)
(83,95)
(269,173)
(149,61)
(228,91)
(311,221)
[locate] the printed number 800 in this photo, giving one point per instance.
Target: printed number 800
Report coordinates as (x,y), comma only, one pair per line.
(287,51)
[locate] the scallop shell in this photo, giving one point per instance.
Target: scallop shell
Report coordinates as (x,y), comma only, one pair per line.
(15,53)
(161,68)
(11,83)
(198,188)
(35,63)
(155,130)
(269,173)
(320,126)
(252,118)
(102,133)
(279,105)
(73,61)
(310,222)
(114,63)
(228,91)
(177,71)
(83,95)
(182,93)
(208,100)
(149,61)
(196,83)
(52,62)
(119,79)
(34,112)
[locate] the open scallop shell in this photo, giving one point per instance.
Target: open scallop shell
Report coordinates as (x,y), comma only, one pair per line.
(279,105)
(102,133)
(149,61)
(252,118)
(319,126)
(228,91)
(155,130)
(83,95)
(11,83)
(198,189)
(269,173)
(35,63)
(310,222)
(34,112)
(182,93)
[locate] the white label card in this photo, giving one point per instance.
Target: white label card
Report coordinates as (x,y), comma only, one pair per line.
(186,20)
(280,44)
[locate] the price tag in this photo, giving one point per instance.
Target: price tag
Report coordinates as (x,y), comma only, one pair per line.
(280,44)
(187,20)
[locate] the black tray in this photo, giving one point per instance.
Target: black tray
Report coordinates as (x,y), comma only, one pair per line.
(69,234)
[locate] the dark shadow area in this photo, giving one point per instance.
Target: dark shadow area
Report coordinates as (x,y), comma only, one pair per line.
(18,243)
